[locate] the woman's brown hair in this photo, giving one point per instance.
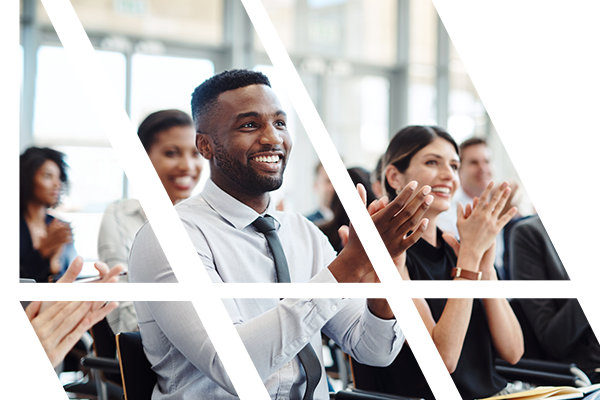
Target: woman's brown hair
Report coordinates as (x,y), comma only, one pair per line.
(405,144)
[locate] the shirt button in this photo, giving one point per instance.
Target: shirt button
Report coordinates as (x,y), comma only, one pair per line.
(303,339)
(333,308)
(287,365)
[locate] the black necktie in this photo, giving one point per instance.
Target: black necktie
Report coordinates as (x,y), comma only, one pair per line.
(308,357)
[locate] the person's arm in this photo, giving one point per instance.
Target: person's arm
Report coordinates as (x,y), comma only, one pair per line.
(557,327)
(478,226)
(393,220)
(272,339)
(62,324)
(505,329)
(504,326)
(364,336)
(113,242)
(448,333)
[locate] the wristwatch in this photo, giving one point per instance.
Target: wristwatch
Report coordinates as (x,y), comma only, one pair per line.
(458,272)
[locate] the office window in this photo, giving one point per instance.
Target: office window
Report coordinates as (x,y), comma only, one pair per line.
(356,112)
(62,112)
(375,105)
(466,114)
(163,82)
(95,181)
(191,21)
(359,30)
(422,69)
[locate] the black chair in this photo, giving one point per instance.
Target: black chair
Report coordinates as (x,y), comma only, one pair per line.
(105,365)
(138,378)
(101,366)
(542,373)
(356,394)
(535,366)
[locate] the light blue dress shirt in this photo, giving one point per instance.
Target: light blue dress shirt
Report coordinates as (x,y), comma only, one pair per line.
(272,331)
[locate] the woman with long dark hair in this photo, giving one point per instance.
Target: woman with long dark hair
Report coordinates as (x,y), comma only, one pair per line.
(468,333)
(45,247)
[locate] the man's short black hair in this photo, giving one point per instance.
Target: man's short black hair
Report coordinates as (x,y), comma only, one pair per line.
(204,98)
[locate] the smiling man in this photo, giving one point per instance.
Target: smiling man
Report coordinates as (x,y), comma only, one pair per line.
(242,132)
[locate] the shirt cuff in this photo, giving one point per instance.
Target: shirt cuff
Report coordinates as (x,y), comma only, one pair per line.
(387,328)
(323,276)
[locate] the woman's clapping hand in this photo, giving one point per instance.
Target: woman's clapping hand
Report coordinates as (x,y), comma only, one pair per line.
(480,223)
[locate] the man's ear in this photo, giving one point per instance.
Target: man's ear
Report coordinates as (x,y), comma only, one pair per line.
(204,145)
(394,177)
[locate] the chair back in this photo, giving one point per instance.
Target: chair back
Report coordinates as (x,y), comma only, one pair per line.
(138,378)
(105,347)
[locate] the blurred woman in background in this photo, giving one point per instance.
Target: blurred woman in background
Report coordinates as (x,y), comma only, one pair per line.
(46,243)
(168,136)
(468,333)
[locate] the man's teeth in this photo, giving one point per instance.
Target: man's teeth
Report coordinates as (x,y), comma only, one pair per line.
(444,190)
(183,180)
(269,159)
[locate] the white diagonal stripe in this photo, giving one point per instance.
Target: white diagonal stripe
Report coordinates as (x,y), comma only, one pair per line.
(168,228)
(20,348)
(429,359)
(540,86)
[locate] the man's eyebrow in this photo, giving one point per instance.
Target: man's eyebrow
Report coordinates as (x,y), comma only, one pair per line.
(248,114)
(257,115)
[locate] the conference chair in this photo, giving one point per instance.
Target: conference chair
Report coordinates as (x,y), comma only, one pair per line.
(103,363)
(138,378)
(534,367)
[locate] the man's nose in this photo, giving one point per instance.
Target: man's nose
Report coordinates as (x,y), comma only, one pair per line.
(271,135)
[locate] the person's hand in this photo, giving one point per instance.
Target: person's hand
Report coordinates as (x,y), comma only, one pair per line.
(108,275)
(479,224)
(394,221)
(59,327)
(513,198)
(58,233)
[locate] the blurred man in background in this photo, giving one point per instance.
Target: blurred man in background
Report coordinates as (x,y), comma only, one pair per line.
(325,191)
(475,173)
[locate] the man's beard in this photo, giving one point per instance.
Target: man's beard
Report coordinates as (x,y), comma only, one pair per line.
(244,175)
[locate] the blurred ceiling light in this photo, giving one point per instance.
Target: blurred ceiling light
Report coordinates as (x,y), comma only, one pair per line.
(116,43)
(153,47)
(314,66)
(339,68)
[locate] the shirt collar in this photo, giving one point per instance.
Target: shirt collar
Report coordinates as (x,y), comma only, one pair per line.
(232,210)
